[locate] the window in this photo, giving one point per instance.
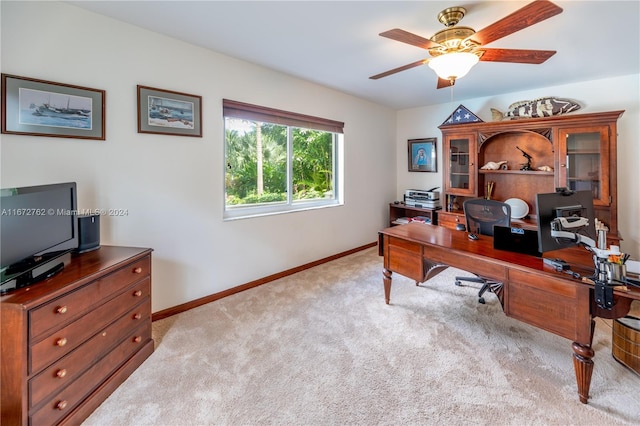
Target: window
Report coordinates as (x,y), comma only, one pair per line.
(278,161)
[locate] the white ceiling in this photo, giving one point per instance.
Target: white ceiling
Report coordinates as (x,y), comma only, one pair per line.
(336,43)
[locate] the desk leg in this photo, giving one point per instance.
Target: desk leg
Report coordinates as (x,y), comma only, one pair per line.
(583,366)
(386,279)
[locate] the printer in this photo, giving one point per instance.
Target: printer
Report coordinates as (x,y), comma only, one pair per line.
(428,199)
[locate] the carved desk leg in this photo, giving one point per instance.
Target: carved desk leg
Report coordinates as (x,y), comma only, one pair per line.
(386,279)
(583,365)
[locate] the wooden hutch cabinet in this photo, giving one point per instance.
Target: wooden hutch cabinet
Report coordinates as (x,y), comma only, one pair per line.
(579,149)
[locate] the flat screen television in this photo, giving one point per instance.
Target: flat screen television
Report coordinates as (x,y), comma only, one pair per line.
(563,203)
(38,226)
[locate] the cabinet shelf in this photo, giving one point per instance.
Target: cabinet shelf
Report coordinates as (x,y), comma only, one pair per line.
(582,179)
(516,172)
(585,152)
(401,210)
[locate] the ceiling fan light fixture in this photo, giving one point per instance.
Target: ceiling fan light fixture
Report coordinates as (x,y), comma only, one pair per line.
(452,66)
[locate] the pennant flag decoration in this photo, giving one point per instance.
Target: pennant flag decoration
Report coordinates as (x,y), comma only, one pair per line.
(462,115)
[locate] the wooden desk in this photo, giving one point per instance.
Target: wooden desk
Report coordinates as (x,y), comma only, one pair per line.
(532,292)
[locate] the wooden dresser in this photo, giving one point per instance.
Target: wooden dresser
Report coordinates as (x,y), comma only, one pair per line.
(70,341)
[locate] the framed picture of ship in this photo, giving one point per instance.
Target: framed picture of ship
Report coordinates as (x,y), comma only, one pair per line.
(167,112)
(45,108)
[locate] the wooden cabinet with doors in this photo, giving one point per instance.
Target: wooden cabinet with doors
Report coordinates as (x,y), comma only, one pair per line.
(587,161)
(577,151)
(460,176)
(459,164)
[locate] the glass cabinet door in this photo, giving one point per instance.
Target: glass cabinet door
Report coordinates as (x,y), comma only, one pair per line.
(460,164)
(584,160)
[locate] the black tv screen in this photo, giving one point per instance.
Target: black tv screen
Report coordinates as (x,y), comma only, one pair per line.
(38,224)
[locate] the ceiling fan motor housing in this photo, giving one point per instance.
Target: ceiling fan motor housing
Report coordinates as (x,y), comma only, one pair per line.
(451,16)
(453,39)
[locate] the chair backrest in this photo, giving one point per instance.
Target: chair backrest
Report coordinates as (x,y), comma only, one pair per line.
(482,215)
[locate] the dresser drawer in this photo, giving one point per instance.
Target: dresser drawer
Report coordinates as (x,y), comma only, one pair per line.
(62,403)
(450,220)
(70,367)
(405,245)
(405,258)
(61,342)
(65,309)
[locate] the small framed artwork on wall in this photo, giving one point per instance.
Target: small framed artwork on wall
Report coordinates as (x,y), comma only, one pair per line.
(422,155)
(167,112)
(46,108)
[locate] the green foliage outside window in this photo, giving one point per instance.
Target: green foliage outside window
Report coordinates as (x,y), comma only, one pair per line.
(257,163)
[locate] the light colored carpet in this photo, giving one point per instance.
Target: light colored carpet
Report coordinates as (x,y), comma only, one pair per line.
(321,348)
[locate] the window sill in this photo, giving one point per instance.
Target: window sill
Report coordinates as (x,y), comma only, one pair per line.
(260,211)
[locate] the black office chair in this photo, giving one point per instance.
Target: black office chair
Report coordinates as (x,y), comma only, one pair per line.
(482,215)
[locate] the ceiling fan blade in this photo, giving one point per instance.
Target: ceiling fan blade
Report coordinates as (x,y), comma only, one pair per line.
(529,15)
(519,56)
(443,82)
(402,68)
(406,37)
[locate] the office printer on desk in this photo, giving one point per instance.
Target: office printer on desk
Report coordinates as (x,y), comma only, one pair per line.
(429,199)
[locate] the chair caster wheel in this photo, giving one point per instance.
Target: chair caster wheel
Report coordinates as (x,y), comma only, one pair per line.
(458,283)
(481,300)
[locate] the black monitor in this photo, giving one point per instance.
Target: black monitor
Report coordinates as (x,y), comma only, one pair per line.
(563,203)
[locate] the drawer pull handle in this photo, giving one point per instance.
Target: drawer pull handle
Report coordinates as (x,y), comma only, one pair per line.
(137,270)
(137,339)
(61,373)
(137,316)
(61,341)
(61,310)
(137,293)
(61,405)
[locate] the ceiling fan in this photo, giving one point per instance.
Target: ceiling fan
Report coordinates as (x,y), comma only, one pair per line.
(456,49)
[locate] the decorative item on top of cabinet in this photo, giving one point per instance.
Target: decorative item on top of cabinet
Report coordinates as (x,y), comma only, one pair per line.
(543,107)
(462,115)
(573,151)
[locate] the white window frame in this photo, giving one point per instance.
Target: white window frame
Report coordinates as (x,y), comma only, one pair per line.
(291,120)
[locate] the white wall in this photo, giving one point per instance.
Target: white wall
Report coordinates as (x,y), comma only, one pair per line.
(620,93)
(173,186)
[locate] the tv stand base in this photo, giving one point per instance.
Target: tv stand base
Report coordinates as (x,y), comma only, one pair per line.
(42,272)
